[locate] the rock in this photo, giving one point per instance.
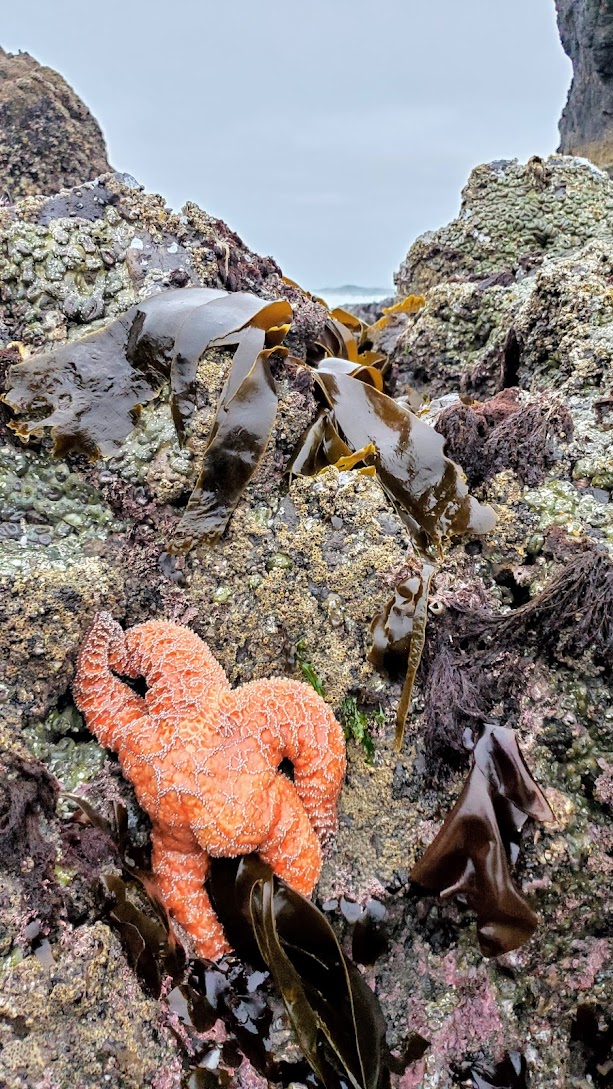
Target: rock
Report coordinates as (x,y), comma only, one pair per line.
(48,137)
(89,252)
(586,125)
(291,587)
(512,216)
(76,1013)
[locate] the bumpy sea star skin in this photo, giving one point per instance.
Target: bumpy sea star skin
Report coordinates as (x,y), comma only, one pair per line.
(204,761)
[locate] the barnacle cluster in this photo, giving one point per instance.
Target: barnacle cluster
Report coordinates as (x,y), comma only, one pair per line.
(42,509)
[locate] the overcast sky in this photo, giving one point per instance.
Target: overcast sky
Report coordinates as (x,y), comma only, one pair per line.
(328,133)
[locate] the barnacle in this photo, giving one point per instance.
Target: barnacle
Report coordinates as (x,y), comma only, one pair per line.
(469,855)
(96,386)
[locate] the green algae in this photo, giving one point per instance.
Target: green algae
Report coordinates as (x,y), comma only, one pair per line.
(356,726)
(307,669)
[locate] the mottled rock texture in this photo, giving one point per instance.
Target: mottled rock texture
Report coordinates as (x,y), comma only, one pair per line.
(586,125)
(291,588)
(512,216)
(48,137)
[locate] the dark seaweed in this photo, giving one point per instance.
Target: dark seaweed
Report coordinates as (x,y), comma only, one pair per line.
(285,937)
(592,1045)
(319,447)
(238,440)
(27,793)
(500,434)
(476,659)
(469,854)
(95,388)
(510,1073)
(335,1015)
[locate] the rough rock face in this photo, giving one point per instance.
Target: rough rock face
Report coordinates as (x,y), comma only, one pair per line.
(586,125)
(48,137)
(89,252)
(512,216)
(291,588)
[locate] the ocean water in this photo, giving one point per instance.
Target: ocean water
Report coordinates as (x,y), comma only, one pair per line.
(352,293)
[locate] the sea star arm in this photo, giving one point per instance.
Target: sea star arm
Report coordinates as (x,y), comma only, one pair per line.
(181,673)
(292,847)
(180,875)
(109,705)
(292,721)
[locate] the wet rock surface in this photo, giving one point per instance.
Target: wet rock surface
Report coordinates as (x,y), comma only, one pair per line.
(48,137)
(291,588)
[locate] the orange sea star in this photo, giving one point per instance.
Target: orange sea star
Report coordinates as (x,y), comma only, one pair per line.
(204,761)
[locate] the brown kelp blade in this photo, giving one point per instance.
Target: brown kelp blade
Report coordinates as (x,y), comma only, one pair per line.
(238,439)
(398,636)
(336,1016)
(89,390)
(416,646)
(412,304)
(95,387)
(468,856)
(498,756)
(319,447)
(287,981)
(85,391)
(224,320)
(337,340)
(429,488)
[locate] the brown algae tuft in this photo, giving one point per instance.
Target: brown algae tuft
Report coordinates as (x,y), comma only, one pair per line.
(488,437)
(476,659)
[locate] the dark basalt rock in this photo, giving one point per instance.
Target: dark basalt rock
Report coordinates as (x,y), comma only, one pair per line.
(586,125)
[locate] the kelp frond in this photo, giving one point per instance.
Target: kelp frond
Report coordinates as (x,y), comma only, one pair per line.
(95,387)
(469,855)
(428,488)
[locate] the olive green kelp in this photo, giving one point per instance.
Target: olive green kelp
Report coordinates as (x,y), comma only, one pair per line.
(428,489)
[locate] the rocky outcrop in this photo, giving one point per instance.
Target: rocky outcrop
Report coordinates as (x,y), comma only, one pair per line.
(512,216)
(586,125)
(291,587)
(48,137)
